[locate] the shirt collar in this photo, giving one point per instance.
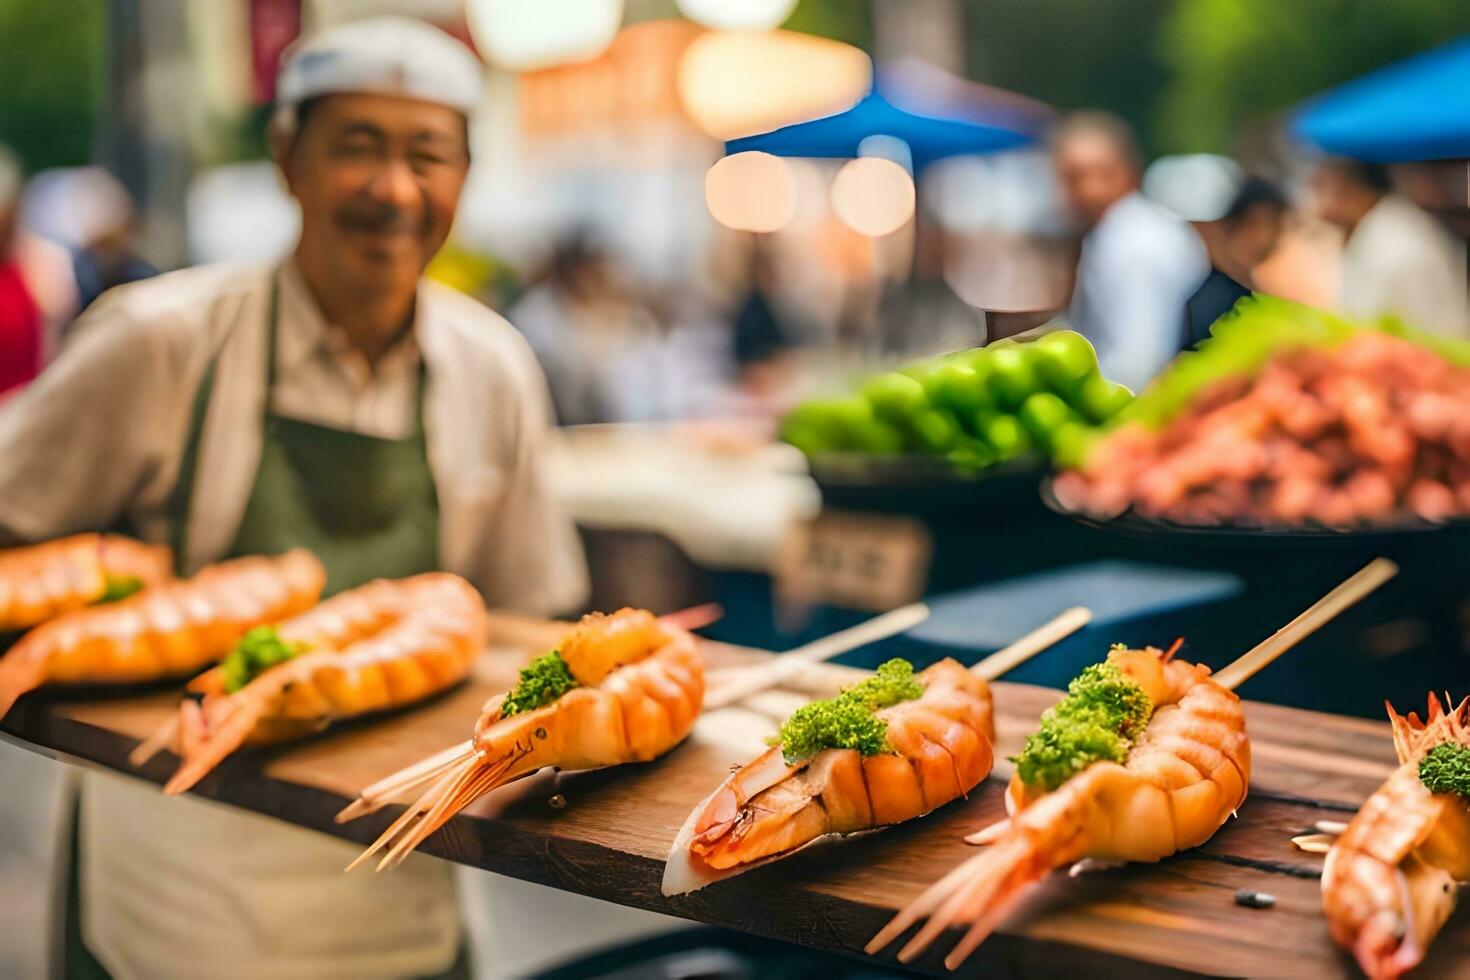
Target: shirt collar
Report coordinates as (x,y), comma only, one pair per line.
(303,331)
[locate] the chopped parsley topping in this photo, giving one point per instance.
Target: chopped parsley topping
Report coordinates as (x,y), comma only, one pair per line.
(542,681)
(848,720)
(1446,769)
(1103,712)
(118,587)
(258,650)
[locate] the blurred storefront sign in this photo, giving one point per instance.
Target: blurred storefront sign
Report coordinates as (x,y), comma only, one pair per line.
(274,24)
(857,561)
(633,80)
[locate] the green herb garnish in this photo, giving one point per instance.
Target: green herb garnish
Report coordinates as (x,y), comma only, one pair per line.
(118,587)
(257,651)
(847,721)
(1446,769)
(1102,713)
(542,681)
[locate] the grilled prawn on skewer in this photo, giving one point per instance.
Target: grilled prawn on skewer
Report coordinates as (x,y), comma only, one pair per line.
(171,630)
(380,646)
(889,749)
(621,688)
(1145,757)
(885,750)
(43,581)
(1391,879)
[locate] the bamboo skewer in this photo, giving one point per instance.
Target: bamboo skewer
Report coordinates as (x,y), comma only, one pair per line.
(764,677)
(1321,612)
(752,680)
(1059,628)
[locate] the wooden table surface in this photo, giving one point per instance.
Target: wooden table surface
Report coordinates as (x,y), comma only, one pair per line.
(611,836)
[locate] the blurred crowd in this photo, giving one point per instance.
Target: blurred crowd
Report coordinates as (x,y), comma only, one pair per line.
(1150,255)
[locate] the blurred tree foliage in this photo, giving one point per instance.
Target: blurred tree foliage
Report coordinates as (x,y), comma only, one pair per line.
(1073,53)
(51,57)
(1192,75)
(1235,61)
(844,20)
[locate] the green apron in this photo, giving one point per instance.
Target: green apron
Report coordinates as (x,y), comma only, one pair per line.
(366,506)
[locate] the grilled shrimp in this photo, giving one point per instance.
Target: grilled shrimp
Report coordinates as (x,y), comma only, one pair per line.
(1184,776)
(43,581)
(1391,879)
(943,746)
(170,630)
(382,645)
(646,696)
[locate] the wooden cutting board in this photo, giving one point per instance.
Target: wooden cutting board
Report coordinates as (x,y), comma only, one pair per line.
(610,830)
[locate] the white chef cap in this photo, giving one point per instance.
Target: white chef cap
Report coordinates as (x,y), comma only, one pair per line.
(387,55)
(1195,186)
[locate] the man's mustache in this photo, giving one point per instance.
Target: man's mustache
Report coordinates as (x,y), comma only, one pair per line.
(380,219)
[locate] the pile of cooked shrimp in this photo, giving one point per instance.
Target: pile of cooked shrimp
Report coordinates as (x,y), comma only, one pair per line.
(1374,431)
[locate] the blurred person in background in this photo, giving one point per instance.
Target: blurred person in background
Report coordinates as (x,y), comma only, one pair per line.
(762,345)
(89,212)
(1239,218)
(335,401)
(577,319)
(1237,242)
(1139,264)
(1398,260)
(37,292)
(921,315)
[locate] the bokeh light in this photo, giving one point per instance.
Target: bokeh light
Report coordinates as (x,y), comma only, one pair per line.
(751,192)
(737,83)
(520,35)
(873,196)
(738,15)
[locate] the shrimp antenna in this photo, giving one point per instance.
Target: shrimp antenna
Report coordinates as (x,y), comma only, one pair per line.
(1174,648)
(1321,612)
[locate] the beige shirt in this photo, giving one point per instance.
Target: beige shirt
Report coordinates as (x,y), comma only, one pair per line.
(100,435)
(177,886)
(1400,261)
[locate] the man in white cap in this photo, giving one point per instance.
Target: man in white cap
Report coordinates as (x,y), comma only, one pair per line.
(1138,264)
(335,401)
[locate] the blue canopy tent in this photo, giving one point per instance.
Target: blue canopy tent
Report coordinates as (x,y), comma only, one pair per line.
(1416,109)
(935,114)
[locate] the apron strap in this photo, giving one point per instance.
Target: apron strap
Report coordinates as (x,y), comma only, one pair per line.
(180,502)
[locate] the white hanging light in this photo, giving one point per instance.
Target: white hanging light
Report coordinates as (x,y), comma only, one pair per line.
(520,35)
(738,15)
(873,196)
(751,192)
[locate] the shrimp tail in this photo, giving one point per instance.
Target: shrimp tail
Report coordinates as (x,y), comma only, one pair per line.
(204,743)
(19,675)
(164,737)
(982,891)
(1382,951)
(991,834)
(454,790)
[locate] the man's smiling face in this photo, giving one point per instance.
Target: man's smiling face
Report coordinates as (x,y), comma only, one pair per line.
(378,178)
